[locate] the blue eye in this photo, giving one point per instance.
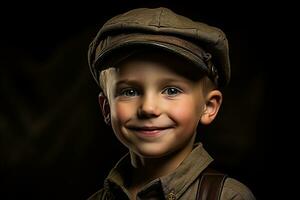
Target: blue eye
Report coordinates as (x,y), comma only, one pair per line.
(171,91)
(130,92)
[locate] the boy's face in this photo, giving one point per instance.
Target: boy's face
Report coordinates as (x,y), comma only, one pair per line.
(154,110)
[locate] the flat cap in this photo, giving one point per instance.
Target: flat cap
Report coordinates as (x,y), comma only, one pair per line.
(206,46)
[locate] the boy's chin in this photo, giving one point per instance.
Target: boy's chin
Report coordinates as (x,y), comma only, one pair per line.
(150,151)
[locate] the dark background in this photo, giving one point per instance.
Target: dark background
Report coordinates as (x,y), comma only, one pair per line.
(53,142)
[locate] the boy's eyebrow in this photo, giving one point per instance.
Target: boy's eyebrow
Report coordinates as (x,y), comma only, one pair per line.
(170,80)
(162,81)
(127,82)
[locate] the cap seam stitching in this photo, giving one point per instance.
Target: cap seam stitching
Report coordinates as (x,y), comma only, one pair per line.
(159,17)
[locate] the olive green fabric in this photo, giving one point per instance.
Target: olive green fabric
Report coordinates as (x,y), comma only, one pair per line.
(162,28)
(181,184)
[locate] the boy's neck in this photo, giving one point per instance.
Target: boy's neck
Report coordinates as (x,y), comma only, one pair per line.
(147,169)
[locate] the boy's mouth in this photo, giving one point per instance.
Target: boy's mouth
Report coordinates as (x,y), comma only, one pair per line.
(149,131)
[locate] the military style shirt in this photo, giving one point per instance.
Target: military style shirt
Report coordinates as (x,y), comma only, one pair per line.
(180,184)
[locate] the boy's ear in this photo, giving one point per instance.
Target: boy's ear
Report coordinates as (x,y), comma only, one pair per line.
(104,105)
(211,108)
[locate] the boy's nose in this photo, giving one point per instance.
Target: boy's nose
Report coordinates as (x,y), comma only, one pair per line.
(149,107)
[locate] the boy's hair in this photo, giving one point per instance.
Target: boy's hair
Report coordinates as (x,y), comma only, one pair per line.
(203,45)
(106,80)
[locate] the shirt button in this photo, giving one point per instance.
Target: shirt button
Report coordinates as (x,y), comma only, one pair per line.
(171,196)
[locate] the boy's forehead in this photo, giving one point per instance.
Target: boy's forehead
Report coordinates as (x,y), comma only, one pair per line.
(162,61)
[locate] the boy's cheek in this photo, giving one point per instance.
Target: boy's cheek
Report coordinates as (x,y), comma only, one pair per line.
(123,112)
(183,116)
(186,111)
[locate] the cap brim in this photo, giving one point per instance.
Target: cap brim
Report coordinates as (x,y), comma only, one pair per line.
(124,46)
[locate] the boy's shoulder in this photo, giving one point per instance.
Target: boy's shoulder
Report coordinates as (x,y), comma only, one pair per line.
(215,185)
(234,189)
(231,189)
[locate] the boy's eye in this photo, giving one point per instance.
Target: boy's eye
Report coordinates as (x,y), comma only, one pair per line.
(129,92)
(171,91)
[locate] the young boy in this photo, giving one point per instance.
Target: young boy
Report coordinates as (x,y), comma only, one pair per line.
(161,74)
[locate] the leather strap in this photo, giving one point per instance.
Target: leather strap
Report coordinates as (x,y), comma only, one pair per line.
(210,185)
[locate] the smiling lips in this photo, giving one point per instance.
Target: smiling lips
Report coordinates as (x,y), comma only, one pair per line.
(149,131)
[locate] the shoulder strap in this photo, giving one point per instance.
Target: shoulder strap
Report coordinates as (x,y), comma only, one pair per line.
(210,185)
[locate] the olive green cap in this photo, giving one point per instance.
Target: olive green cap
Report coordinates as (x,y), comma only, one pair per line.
(206,46)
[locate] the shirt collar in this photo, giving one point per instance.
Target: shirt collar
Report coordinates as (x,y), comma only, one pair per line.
(176,182)
(187,172)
